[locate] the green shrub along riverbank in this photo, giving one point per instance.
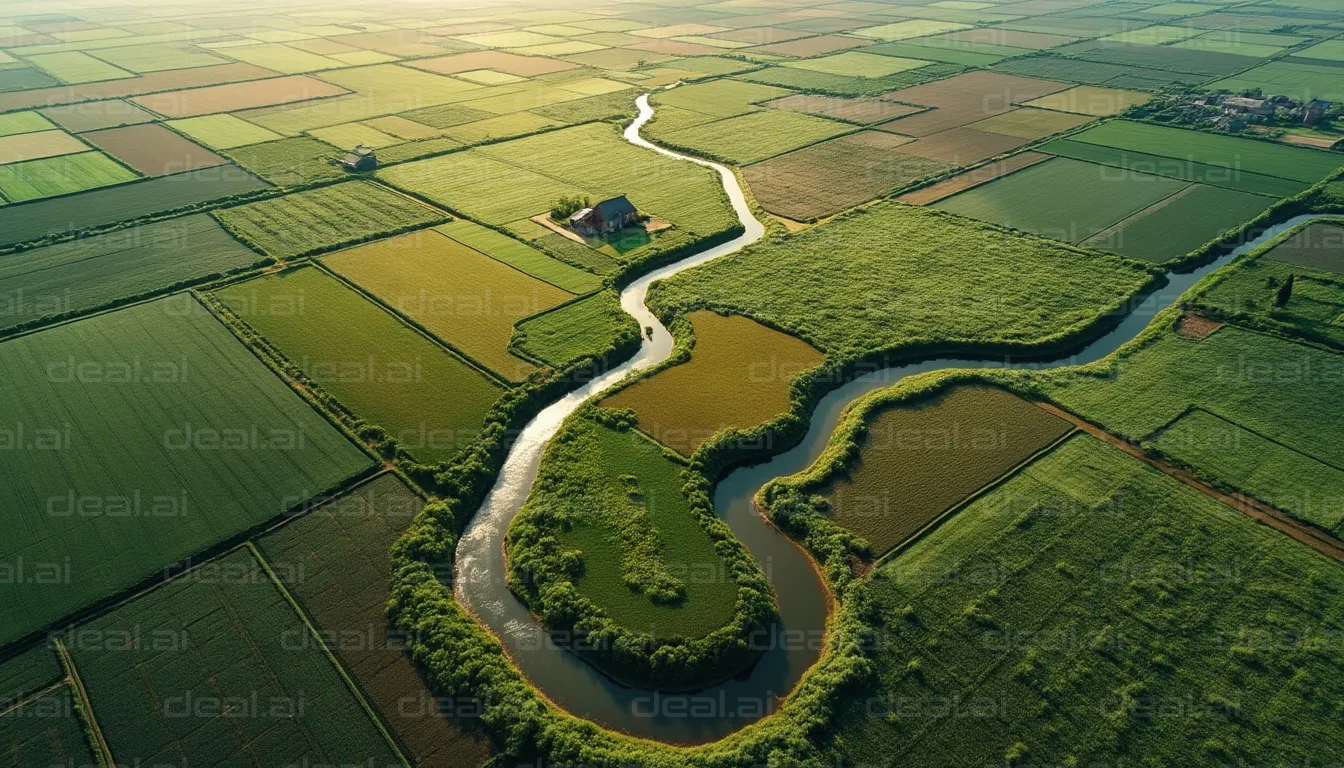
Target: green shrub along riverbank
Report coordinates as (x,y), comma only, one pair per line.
(620,546)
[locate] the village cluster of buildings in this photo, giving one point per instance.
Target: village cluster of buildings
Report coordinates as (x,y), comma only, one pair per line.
(1240,111)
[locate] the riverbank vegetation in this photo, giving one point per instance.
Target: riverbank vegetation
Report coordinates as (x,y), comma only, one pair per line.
(619,546)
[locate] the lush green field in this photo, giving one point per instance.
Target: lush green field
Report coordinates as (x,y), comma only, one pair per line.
(1097,73)
(459,294)
(615,498)
(223,670)
(290,162)
(1238,458)
(27,673)
(719,98)
(46,731)
(1219,174)
(1317,246)
(1297,79)
(143,435)
(918,460)
(1091,610)
(63,175)
(577,329)
(101,207)
(895,275)
(335,562)
(858,64)
(223,131)
(1062,198)
(1181,224)
(738,376)
(429,400)
(1241,376)
(324,218)
(516,179)
(1252,156)
(84,274)
(756,136)
(521,256)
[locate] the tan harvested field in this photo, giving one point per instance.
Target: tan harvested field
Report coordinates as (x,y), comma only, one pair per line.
(738,376)
(1009,37)
(759,35)
(96,115)
(35,146)
(134,86)
(829,177)
(965,99)
(399,42)
(962,146)
(675,48)
(853,110)
(1091,100)
(1031,124)
(153,150)
(972,178)
(502,61)
(237,96)
(813,46)
(918,461)
(461,295)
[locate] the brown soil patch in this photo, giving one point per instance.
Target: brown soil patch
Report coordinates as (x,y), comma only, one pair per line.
(153,149)
(675,48)
(965,99)
(546,221)
(1192,326)
(963,146)
(512,63)
(829,177)
(760,35)
(96,115)
(133,86)
(237,96)
(813,46)
(972,178)
(860,110)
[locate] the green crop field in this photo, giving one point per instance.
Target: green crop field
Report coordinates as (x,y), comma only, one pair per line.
(756,136)
(27,673)
(46,730)
(1317,246)
(195,440)
(91,272)
(577,329)
(1062,198)
(720,98)
(223,131)
(1222,173)
(225,671)
(520,255)
(63,175)
(516,179)
(1238,458)
(737,377)
(1098,73)
(616,498)
(858,64)
(1300,80)
(1091,607)
(101,207)
(916,461)
(335,561)
(289,162)
(1238,375)
(16,123)
(1180,224)
(894,274)
(324,218)
(386,373)
(459,294)
(1260,157)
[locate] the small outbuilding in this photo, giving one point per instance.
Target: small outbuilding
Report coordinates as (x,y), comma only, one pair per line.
(610,215)
(361,158)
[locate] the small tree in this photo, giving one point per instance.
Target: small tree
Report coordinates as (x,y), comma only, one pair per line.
(1285,293)
(568,205)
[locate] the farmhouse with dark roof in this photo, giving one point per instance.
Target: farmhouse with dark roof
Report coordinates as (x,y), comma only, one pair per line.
(361,158)
(610,215)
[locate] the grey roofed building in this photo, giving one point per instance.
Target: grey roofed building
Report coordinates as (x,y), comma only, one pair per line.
(610,215)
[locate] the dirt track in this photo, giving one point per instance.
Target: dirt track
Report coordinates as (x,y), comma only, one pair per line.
(1279,520)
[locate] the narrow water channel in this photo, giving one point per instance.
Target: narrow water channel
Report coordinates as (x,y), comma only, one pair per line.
(794,644)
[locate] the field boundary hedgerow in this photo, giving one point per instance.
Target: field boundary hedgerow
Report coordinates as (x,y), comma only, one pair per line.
(89,720)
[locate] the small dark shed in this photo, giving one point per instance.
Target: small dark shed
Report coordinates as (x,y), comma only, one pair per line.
(361,158)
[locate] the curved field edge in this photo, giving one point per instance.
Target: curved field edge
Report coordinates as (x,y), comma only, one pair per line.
(541,577)
(459,657)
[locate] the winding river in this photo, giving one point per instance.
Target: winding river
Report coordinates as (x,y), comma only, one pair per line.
(795,643)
